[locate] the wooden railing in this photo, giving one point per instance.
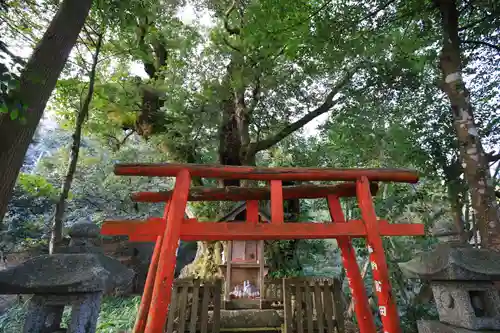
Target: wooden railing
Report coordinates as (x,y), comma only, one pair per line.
(272,294)
(313,305)
(191,301)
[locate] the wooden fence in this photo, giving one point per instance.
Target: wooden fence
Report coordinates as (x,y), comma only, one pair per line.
(313,305)
(190,304)
(272,294)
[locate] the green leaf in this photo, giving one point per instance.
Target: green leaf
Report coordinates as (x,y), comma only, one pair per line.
(14,114)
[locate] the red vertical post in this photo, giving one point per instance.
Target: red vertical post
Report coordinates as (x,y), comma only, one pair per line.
(252,211)
(387,306)
(358,293)
(165,273)
(142,316)
(277,215)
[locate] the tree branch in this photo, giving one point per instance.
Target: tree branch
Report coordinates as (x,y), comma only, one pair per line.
(483,43)
(492,158)
(89,35)
(476,22)
(226,41)
(17,59)
(119,143)
(230,30)
(289,129)
(497,170)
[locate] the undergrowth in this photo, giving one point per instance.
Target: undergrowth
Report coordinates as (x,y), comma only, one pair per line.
(117,315)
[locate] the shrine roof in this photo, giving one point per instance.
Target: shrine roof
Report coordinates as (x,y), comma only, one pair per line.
(240,208)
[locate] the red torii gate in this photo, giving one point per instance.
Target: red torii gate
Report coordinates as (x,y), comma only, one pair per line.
(173,226)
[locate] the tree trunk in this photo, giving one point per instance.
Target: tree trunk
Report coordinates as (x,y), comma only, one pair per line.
(36,83)
(474,161)
(230,138)
(57,224)
(455,189)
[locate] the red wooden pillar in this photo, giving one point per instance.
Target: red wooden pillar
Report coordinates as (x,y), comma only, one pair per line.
(252,211)
(277,214)
(142,316)
(358,293)
(162,290)
(387,306)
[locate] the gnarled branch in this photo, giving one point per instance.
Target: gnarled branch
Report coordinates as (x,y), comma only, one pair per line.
(289,129)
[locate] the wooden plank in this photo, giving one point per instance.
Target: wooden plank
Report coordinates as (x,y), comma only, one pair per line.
(309,310)
(216,311)
(204,309)
(184,282)
(258,173)
(233,193)
(299,321)
(173,310)
(277,214)
(194,306)
(183,296)
(328,308)
(227,281)
(287,304)
(318,303)
(261,272)
(338,308)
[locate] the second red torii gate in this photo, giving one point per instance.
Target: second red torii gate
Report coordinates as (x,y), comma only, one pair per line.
(173,226)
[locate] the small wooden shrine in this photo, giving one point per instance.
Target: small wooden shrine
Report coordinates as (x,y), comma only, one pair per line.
(243,265)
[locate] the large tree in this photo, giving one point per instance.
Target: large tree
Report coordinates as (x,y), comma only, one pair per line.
(475,161)
(38,78)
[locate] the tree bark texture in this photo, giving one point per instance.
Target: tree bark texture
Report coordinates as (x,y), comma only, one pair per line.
(57,223)
(37,81)
(456,189)
(474,160)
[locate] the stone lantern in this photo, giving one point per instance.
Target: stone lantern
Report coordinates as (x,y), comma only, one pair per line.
(462,279)
(76,276)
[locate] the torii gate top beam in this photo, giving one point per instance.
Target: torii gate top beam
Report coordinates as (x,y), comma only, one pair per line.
(257,173)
